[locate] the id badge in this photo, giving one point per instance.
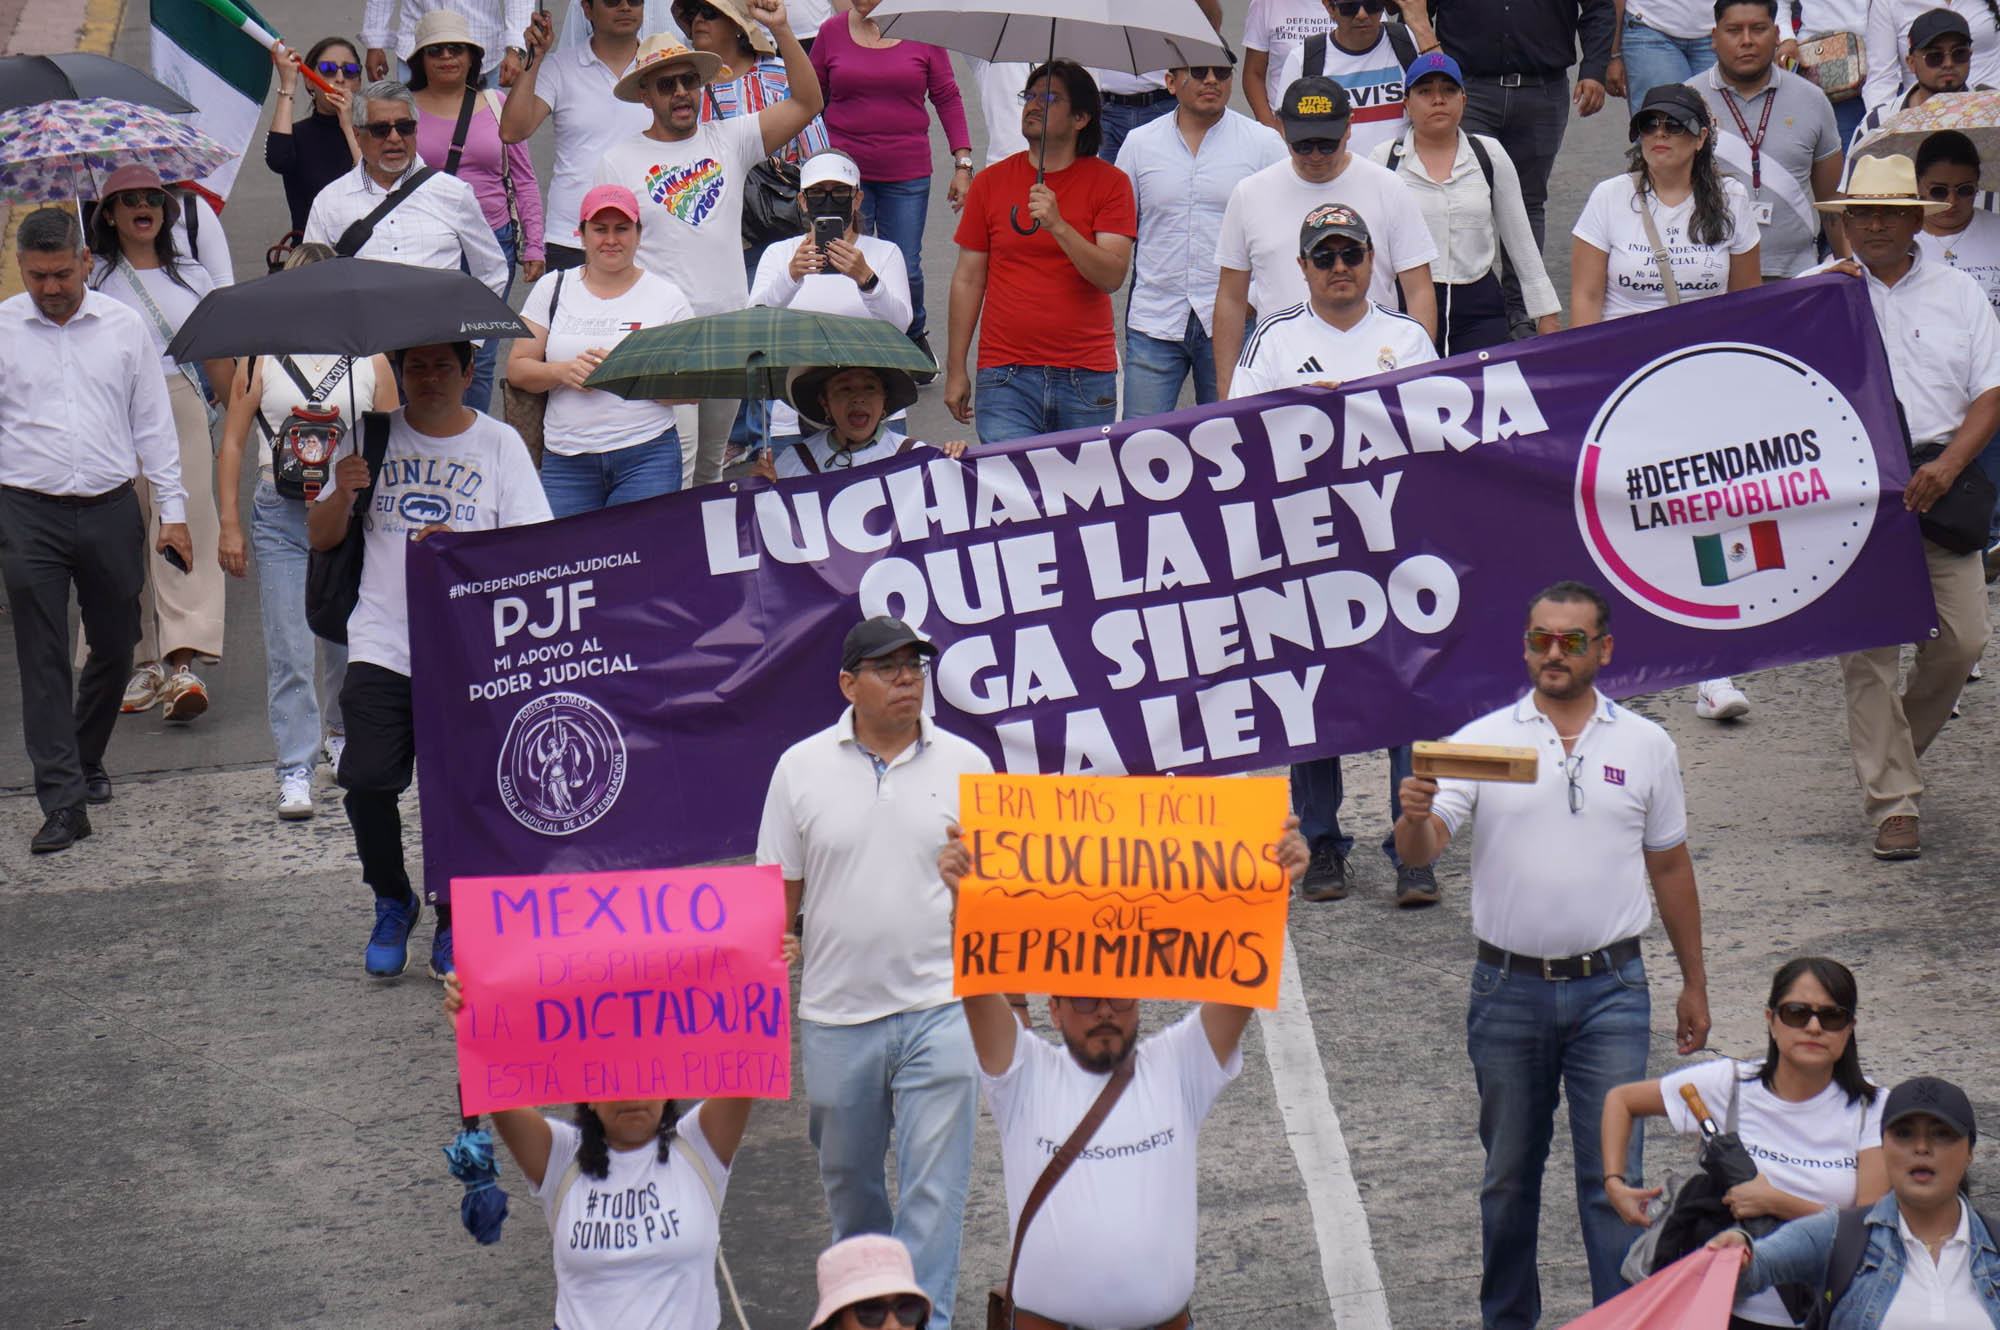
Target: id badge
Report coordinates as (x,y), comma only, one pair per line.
(1763,213)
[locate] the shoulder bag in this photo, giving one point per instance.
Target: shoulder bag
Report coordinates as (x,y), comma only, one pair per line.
(1000,1301)
(303,445)
(1836,62)
(524,410)
(1961,518)
(1665,263)
(1640,1257)
(355,236)
(333,577)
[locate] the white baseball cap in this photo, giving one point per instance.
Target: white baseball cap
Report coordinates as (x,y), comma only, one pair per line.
(829,166)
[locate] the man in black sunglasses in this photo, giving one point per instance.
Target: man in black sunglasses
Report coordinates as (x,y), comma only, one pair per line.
(1939,59)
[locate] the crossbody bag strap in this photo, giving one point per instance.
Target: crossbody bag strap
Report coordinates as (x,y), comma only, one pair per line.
(160,324)
(358,234)
(1661,258)
(806,456)
(460,130)
(506,166)
(1066,1153)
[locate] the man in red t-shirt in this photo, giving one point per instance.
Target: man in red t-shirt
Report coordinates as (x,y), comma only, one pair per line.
(1047,356)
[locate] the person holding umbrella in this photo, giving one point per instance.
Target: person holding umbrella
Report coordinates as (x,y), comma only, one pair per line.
(181,609)
(851,403)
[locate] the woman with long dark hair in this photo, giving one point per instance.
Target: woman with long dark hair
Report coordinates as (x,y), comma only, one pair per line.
(1806,1113)
(312,152)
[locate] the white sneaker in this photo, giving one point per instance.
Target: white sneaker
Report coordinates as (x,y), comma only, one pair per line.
(1720,699)
(295,797)
(336,744)
(142,690)
(1974,676)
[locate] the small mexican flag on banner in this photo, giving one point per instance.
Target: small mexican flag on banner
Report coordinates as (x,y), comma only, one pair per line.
(1728,555)
(209,60)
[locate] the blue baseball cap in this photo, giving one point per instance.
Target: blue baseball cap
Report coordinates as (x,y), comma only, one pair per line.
(1432,62)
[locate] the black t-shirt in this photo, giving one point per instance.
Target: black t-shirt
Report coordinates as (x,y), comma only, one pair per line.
(311,157)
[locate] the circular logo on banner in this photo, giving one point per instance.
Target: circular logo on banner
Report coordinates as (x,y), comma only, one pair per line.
(1726,486)
(562,765)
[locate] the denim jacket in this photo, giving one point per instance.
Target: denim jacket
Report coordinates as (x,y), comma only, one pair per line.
(1798,1253)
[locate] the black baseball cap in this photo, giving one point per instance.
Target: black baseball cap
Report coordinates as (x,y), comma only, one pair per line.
(1328,220)
(1935,23)
(1927,1094)
(1677,101)
(878,637)
(1314,107)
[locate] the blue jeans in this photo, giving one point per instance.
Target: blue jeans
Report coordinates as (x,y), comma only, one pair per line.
(914,1072)
(1155,369)
(1016,401)
(1528,1038)
(1317,791)
(1653,58)
(278,543)
(486,354)
(1118,121)
(585,482)
(895,210)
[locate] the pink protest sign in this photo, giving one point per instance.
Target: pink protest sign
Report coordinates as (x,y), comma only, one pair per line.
(650,984)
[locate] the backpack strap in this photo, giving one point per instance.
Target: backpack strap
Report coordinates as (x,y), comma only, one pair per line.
(1485,159)
(1402,43)
(806,456)
(1850,1242)
(355,236)
(1395,154)
(905,446)
(461,129)
(1314,56)
(568,1180)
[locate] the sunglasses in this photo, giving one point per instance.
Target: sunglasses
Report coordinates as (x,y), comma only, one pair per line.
(618,4)
(344,68)
(1323,147)
(1203,73)
(875,1312)
(381,129)
(840,199)
(1957,55)
(1351,255)
(1663,124)
(1799,1014)
(143,198)
(685,81)
(1944,193)
(1049,98)
(1350,8)
(1574,642)
(711,13)
(449,50)
(1085,1006)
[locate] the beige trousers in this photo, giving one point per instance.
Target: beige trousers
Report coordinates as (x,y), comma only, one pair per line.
(1889,731)
(704,428)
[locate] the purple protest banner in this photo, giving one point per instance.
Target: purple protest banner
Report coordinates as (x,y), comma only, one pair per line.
(1220,589)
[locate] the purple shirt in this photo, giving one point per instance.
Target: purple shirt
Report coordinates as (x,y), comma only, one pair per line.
(479,166)
(875,101)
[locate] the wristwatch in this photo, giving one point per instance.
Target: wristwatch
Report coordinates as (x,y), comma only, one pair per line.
(962,163)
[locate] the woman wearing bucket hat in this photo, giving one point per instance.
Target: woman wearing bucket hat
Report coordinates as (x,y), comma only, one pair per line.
(867,1282)
(458,132)
(851,404)
(1920,1256)
(1671,199)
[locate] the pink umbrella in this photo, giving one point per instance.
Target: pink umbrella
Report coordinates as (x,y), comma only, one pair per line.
(1694,1293)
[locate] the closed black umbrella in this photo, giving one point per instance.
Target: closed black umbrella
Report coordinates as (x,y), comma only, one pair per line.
(347,307)
(30,80)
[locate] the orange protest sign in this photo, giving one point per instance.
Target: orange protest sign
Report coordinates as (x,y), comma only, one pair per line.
(1122,886)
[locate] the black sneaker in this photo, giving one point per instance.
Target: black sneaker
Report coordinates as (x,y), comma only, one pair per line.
(1415,886)
(64,828)
(1326,876)
(926,377)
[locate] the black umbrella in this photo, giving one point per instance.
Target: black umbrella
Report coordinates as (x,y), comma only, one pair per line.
(30,80)
(349,307)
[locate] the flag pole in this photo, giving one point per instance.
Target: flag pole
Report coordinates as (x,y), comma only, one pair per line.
(258,33)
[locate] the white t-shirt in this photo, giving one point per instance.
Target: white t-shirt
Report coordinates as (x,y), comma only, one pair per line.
(351,394)
(477,480)
(174,301)
(832,293)
(635,1249)
(691,193)
(1296,346)
(1689,20)
(1260,229)
(888,443)
(589,121)
(1280,26)
(1810,1149)
(1129,1199)
(590,420)
(1975,251)
(1610,221)
(1374,83)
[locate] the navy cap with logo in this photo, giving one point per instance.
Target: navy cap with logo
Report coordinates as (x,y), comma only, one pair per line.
(1314,107)
(1935,23)
(878,637)
(1329,220)
(1940,1099)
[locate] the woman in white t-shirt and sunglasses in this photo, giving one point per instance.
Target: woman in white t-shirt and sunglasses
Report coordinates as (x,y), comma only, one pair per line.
(1806,1113)
(1706,223)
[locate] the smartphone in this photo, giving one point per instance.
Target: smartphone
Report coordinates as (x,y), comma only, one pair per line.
(174,558)
(826,230)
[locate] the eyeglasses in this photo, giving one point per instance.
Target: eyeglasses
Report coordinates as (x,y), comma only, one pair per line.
(1085,1006)
(1203,73)
(685,81)
(449,50)
(1944,193)
(1323,147)
(908,1309)
(618,4)
(344,68)
(1048,98)
(888,671)
(1574,642)
(1957,55)
(143,198)
(1573,773)
(381,129)
(1351,255)
(1662,124)
(1799,1014)
(1350,8)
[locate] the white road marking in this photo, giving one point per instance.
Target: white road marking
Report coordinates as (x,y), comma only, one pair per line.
(1312,1127)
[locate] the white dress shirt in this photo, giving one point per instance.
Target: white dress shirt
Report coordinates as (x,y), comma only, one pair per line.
(1182,196)
(579,91)
(1940,1294)
(83,406)
(495,25)
(1470,222)
(429,229)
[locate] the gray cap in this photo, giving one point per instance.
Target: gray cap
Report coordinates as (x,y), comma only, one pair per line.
(878,637)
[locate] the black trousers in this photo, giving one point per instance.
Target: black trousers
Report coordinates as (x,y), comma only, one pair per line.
(561,258)
(1529,122)
(45,546)
(375,769)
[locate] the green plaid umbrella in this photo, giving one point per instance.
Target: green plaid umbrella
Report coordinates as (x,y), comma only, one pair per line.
(747,353)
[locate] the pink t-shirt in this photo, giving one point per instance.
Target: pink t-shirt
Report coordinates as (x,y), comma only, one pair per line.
(480,167)
(875,101)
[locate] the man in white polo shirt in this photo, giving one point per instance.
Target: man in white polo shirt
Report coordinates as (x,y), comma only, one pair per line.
(1559,875)
(854,817)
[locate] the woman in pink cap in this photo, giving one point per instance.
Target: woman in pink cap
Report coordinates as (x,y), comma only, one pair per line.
(865,1283)
(598,448)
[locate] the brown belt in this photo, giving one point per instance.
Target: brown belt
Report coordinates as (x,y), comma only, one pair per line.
(1027,1320)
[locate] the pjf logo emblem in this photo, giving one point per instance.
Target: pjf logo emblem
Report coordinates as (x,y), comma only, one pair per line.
(562,765)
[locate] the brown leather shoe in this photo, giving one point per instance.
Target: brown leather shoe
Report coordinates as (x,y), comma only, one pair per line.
(1897,838)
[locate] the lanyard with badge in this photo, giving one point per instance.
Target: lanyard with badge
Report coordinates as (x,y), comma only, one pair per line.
(1756,144)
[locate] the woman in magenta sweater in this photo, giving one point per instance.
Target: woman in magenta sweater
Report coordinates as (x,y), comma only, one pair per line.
(875,90)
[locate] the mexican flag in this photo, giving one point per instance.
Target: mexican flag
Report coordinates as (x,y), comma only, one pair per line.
(1728,555)
(209,59)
